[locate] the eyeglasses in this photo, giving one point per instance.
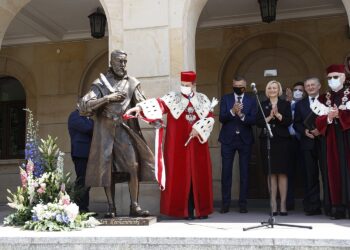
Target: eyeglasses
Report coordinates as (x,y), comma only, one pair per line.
(334,77)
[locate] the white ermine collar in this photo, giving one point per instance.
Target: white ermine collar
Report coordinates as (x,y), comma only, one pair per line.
(177,104)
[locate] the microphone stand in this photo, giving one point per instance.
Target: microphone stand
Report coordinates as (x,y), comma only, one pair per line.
(271,221)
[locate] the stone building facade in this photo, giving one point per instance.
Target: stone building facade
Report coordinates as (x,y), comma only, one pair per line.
(162,38)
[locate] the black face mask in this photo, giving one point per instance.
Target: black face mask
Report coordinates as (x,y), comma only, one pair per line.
(239,90)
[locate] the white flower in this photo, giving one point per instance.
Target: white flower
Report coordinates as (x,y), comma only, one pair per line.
(72,211)
(92,222)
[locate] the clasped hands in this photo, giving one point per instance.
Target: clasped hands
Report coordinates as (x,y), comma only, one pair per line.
(274,113)
(333,113)
(237,108)
(312,133)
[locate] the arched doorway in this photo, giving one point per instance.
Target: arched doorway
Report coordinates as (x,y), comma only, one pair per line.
(12,118)
(230,39)
(97,65)
(292,57)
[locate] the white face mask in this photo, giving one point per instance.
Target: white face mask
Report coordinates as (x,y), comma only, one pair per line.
(334,84)
(185,90)
(297,94)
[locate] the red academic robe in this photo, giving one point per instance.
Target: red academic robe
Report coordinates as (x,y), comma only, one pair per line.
(185,166)
(337,150)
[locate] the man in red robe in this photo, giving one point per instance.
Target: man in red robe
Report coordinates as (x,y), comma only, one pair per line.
(333,121)
(188,186)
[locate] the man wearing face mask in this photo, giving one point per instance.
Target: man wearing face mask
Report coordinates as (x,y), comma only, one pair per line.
(333,122)
(237,115)
(188,187)
(295,161)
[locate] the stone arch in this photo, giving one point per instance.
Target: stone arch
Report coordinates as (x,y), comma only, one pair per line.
(114,13)
(9,10)
(294,49)
(97,65)
(113,10)
(347,9)
(11,67)
(192,11)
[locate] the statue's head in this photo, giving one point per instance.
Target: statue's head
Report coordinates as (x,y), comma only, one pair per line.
(118,63)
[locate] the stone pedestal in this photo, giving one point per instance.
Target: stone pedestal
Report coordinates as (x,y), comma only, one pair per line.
(128,221)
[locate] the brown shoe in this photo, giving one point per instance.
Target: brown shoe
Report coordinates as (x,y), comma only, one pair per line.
(136,211)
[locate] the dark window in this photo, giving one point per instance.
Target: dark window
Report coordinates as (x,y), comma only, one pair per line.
(12,118)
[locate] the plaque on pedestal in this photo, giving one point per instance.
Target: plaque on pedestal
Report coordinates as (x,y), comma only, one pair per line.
(128,221)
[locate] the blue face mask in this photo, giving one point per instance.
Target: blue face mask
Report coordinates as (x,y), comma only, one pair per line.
(297,94)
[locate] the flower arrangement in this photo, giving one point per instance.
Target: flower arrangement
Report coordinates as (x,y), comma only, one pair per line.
(42,202)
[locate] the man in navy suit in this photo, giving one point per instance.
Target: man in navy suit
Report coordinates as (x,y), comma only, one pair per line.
(295,161)
(80,131)
(310,145)
(237,115)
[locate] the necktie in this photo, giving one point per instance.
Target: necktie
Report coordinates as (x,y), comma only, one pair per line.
(239,98)
(312,99)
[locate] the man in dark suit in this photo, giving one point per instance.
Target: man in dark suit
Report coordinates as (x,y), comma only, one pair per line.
(310,144)
(237,115)
(80,131)
(295,161)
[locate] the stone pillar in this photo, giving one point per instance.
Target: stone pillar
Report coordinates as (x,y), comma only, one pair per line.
(347,8)
(114,13)
(184,16)
(159,37)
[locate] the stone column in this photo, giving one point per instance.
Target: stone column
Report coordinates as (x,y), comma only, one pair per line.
(114,13)
(184,16)
(347,8)
(159,37)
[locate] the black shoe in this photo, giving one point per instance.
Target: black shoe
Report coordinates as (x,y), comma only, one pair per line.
(313,212)
(243,210)
(338,216)
(204,217)
(290,207)
(274,213)
(110,215)
(190,217)
(224,209)
(112,212)
(283,213)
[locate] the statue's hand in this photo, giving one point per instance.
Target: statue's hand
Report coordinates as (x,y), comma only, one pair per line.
(116,97)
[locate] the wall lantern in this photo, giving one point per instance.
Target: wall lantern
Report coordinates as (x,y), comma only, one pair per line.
(98,23)
(268,10)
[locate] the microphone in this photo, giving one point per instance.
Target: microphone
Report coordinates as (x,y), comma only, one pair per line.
(253,86)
